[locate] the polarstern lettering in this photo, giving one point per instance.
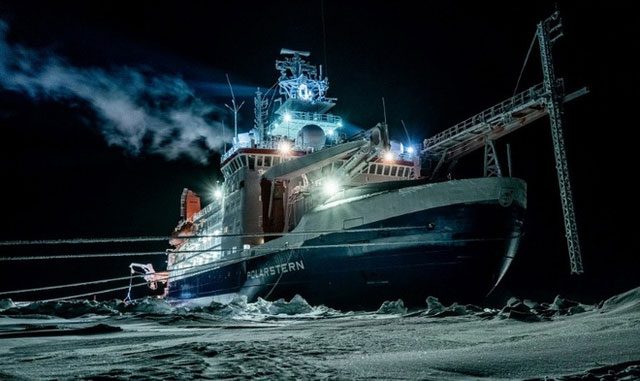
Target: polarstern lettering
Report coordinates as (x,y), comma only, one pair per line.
(276,269)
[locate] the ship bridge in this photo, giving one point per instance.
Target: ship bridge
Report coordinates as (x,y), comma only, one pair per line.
(291,123)
(303,106)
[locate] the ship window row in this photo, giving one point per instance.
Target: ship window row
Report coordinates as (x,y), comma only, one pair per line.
(252,162)
(389,170)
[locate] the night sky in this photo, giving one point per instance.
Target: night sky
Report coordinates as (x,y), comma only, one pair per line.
(62,179)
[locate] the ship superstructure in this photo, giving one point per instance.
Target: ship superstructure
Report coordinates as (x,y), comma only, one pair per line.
(254,200)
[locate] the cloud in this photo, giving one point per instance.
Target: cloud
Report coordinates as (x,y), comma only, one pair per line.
(137,111)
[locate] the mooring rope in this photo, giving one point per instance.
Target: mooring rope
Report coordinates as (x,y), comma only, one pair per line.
(526,59)
(83,241)
(196,269)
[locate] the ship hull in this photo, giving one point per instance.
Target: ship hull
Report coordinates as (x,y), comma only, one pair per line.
(456,251)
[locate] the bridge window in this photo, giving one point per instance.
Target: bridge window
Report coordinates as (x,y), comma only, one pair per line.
(252,162)
(386,170)
(379,169)
(267,161)
(260,159)
(394,170)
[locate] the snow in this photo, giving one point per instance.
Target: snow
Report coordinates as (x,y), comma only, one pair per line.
(6,303)
(293,340)
(628,302)
(392,307)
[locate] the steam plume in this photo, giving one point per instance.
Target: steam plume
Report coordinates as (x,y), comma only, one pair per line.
(138,112)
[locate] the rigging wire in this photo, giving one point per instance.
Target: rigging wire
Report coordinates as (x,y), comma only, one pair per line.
(205,267)
(118,289)
(94,293)
(526,59)
(209,250)
(83,241)
(324,39)
(198,269)
(68,285)
(85,255)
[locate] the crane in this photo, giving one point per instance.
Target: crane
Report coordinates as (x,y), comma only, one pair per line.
(482,129)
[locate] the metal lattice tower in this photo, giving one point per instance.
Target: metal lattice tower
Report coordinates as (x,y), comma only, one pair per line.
(548,32)
(510,115)
(491,164)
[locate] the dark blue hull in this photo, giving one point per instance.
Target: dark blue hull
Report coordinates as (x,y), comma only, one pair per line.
(459,254)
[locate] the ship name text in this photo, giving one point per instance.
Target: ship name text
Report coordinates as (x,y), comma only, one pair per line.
(276,269)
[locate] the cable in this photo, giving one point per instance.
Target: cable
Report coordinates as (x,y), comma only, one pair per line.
(200,251)
(214,264)
(81,256)
(71,285)
(81,241)
(94,293)
(103,292)
(324,40)
(200,272)
(526,59)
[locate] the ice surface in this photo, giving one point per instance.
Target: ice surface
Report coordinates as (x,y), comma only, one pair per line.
(6,303)
(293,340)
(150,306)
(628,302)
(30,330)
(64,309)
(437,309)
(238,308)
(626,371)
(392,307)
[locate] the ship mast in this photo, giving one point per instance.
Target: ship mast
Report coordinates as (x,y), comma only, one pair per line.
(234,109)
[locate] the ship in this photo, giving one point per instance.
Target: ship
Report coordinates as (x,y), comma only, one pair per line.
(350,221)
